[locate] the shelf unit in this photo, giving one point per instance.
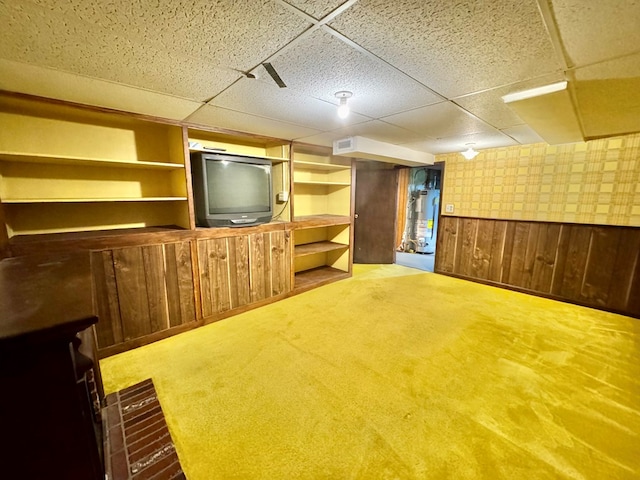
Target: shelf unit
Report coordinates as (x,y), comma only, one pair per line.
(66,168)
(277,151)
(322,221)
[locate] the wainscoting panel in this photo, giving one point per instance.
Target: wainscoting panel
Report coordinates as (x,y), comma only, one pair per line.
(592,265)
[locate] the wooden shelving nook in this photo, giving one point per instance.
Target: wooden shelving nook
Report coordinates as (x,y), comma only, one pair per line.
(322,217)
(66,168)
(278,152)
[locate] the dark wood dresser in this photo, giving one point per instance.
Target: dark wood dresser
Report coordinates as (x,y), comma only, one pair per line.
(50,386)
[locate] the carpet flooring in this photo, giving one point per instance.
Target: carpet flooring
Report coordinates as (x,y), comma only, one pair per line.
(400,374)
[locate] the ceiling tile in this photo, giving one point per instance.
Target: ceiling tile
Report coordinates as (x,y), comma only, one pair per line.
(23,78)
(488,105)
(454,47)
(523,134)
(243,122)
(264,98)
(322,65)
(597,30)
(238,34)
(316,8)
(37,36)
(437,121)
(374,129)
(459,143)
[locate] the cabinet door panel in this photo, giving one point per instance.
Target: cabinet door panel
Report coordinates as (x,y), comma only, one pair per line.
(142,290)
(109,326)
(132,292)
(280,262)
(239,274)
(214,275)
(259,261)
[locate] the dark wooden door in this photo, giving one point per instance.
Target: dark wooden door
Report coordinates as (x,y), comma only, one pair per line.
(375,212)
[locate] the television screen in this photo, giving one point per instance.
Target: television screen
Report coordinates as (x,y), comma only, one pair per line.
(236,187)
(231,190)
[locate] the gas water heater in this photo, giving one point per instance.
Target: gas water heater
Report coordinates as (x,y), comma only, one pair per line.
(427,204)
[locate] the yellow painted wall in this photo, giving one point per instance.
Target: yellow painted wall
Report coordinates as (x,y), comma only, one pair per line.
(596,182)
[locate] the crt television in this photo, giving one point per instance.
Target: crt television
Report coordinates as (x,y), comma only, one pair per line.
(230,190)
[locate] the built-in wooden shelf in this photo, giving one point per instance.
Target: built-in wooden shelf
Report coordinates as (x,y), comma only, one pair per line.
(324,220)
(224,152)
(93,200)
(318,247)
(85,162)
(329,184)
(318,276)
(320,166)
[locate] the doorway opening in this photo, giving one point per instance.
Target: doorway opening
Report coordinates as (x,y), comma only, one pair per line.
(419,238)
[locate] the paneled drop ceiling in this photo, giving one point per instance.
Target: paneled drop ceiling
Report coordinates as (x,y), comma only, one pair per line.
(427,75)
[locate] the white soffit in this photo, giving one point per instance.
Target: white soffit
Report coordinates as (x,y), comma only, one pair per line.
(549,111)
(361,147)
(45,82)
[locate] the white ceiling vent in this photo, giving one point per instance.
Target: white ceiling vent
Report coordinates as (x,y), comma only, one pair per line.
(361,147)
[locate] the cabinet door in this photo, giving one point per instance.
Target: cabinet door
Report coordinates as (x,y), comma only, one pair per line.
(241,270)
(142,290)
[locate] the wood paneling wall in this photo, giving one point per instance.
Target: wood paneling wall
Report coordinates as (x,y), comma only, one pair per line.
(241,270)
(142,291)
(592,265)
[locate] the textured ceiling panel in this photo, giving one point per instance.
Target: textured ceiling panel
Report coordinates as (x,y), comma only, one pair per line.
(489,106)
(35,35)
(316,8)
(265,99)
(438,121)
(18,77)
(454,48)
(592,31)
(322,65)
(243,122)
(459,143)
(238,34)
(375,130)
(523,134)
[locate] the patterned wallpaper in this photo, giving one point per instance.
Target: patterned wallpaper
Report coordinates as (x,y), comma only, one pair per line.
(597,182)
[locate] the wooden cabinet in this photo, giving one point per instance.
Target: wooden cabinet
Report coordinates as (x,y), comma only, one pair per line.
(119,185)
(67,169)
(143,293)
(239,269)
(322,216)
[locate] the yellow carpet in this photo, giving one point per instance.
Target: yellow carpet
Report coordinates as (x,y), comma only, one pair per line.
(399,374)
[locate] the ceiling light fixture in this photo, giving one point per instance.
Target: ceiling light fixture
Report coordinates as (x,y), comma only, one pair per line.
(343,109)
(470,153)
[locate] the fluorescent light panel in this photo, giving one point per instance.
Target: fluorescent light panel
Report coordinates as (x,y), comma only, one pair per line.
(535,92)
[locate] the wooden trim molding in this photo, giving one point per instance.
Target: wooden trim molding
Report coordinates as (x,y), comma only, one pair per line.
(592,265)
